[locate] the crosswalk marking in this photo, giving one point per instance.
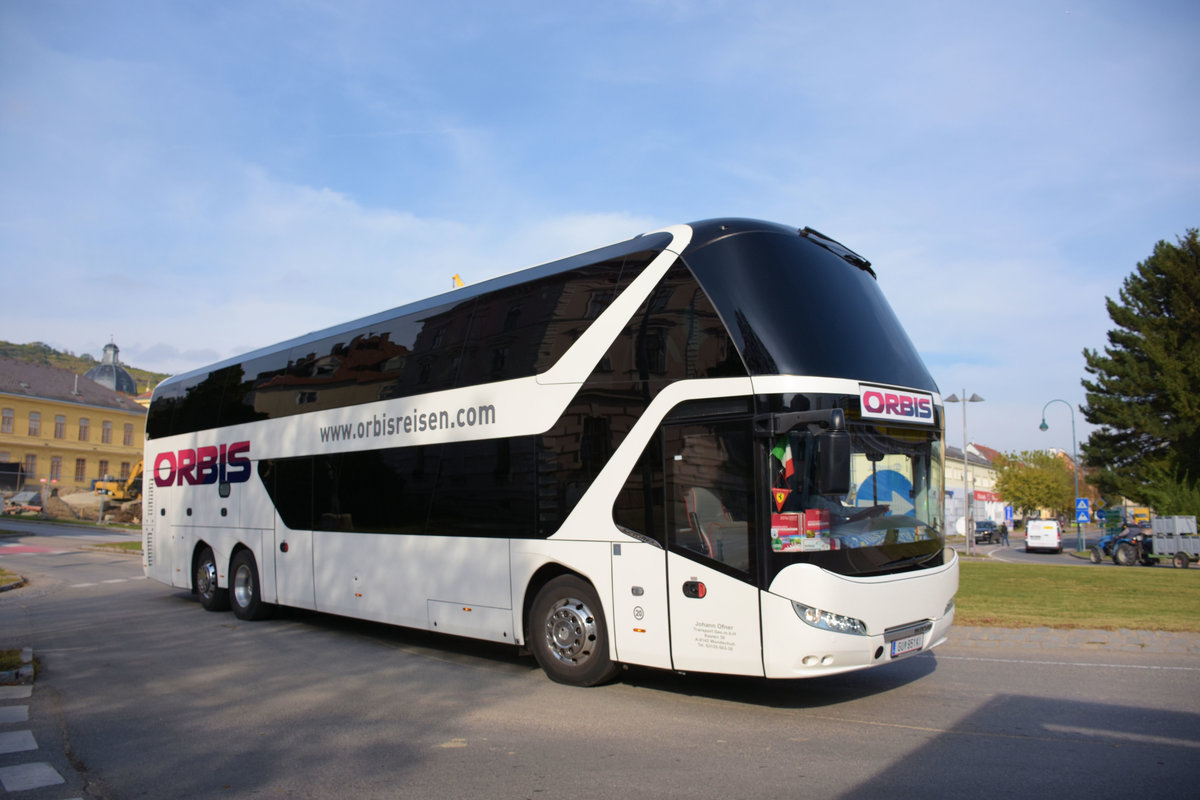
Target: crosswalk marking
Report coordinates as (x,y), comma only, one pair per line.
(17,742)
(30,775)
(11,714)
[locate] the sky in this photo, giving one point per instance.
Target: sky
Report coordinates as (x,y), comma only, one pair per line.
(197,180)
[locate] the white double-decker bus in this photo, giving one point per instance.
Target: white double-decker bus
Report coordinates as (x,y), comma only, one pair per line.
(709,448)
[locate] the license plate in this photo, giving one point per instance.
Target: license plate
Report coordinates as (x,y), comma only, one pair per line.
(909,644)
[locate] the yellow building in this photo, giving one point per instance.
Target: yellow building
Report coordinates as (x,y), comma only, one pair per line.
(63,431)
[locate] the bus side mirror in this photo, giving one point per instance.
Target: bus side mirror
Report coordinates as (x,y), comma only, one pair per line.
(833,462)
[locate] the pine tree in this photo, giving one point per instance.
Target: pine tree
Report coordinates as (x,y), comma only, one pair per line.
(1145,393)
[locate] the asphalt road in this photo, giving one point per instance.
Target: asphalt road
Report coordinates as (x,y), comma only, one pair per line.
(144,694)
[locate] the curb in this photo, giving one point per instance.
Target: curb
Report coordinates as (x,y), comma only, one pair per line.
(17,584)
(21,675)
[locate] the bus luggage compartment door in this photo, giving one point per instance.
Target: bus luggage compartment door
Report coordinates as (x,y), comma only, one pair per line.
(640,627)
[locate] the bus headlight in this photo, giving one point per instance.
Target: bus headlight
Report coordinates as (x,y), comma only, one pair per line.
(828,621)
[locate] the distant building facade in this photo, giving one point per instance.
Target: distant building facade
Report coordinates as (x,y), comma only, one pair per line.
(62,431)
(976,498)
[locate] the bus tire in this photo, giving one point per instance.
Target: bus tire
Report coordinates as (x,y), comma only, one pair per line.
(212,596)
(568,635)
(244,591)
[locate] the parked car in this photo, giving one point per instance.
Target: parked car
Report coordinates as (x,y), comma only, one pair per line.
(1043,534)
(986,531)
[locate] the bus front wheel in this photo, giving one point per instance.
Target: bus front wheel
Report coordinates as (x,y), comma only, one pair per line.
(568,635)
(212,596)
(244,593)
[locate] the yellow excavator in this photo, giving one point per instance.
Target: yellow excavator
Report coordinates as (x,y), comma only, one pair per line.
(129,489)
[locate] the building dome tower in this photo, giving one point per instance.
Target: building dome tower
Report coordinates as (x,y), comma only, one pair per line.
(110,373)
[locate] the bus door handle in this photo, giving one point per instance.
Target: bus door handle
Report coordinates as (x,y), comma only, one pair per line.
(694,589)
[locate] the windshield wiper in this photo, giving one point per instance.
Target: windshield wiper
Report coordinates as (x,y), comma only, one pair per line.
(905,562)
(837,248)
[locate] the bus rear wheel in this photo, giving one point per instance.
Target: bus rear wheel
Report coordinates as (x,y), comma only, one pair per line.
(568,635)
(212,596)
(244,593)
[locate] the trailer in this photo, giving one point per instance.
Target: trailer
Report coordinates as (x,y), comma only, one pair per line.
(1167,538)
(1175,538)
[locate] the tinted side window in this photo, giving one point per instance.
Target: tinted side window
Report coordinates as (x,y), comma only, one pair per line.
(709,492)
(513,332)
(483,488)
(676,335)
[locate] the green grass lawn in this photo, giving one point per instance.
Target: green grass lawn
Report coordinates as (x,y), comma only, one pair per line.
(1033,595)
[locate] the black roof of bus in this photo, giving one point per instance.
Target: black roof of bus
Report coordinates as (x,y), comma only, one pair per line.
(648,241)
(704,233)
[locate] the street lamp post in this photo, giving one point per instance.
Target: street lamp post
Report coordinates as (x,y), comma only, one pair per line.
(967,532)
(1074,461)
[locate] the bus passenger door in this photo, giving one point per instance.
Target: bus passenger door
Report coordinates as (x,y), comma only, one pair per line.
(711,519)
(714,620)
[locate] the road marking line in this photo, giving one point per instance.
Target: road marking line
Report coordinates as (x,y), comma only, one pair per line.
(1143,738)
(941,657)
(115,580)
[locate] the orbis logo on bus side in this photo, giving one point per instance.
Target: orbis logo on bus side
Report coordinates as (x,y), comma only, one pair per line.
(878,402)
(213,464)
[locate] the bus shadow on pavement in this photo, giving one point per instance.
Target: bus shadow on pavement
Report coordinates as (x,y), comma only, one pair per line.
(796,693)
(1026,746)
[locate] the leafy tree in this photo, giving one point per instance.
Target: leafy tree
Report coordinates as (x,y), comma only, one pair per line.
(1033,480)
(1145,389)
(1173,495)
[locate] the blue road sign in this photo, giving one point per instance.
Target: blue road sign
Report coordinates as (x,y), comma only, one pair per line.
(1081,509)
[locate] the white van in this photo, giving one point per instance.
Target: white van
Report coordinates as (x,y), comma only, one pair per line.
(1043,534)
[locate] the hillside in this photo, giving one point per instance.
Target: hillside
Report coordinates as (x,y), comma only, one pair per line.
(39,353)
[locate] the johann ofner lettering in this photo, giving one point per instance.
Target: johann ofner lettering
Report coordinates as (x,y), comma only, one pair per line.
(897,404)
(212,464)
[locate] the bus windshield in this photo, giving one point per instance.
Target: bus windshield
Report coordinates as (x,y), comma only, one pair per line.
(889,519)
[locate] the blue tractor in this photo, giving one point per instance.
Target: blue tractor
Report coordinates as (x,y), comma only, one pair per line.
(1125,544)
